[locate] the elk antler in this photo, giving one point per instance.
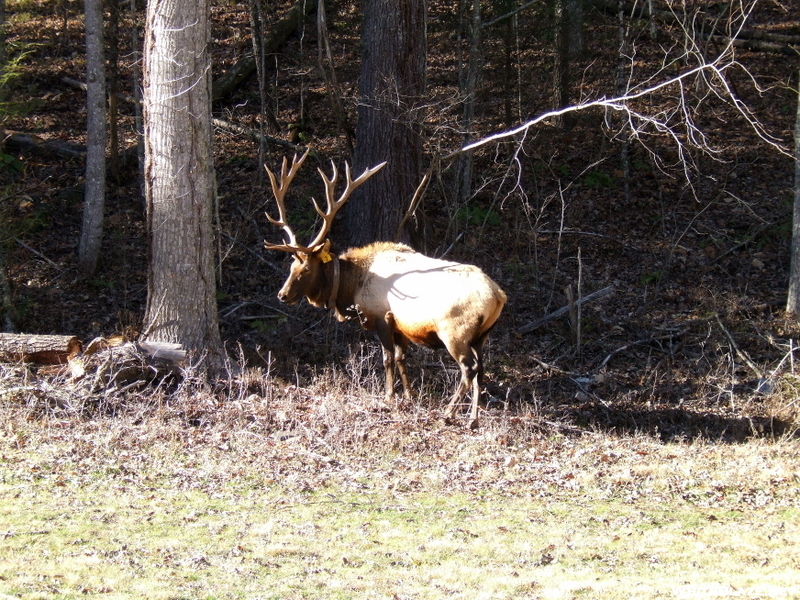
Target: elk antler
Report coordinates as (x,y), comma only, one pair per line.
(279,191)
(333,205)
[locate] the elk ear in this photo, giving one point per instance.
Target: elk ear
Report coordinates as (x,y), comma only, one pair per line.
(324,250)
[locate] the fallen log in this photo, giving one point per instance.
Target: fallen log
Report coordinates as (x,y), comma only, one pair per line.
(28,142)
(277,36)
(38,349)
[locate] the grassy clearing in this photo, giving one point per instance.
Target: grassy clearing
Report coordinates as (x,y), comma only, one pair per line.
(155,508)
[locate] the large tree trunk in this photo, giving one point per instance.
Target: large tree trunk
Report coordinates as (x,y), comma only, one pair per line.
(391,89)
(179,178)
(94,203)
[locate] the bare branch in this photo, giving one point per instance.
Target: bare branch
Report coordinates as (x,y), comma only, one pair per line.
(677,120)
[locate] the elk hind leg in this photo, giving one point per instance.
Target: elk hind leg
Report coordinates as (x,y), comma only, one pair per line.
(477,381)
(469,364)
(400,345)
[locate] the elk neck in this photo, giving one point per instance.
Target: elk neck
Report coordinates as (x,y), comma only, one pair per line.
(331,303)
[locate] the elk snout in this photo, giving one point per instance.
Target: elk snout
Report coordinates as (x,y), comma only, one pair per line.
(288,296)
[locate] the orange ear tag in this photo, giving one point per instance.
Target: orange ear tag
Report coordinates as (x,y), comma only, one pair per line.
(326,257)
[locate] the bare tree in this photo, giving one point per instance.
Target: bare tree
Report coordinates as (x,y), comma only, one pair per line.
(391,88)
(179,178)
(793,301)
(94,202)
(568,42)
(468,83)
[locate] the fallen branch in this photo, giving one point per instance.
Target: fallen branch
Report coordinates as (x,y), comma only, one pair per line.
(39,254)
(750,39)
(82,86)
(565,309)
(650,340)
(255,135)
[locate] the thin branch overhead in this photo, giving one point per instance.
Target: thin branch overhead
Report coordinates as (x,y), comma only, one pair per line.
(676,120)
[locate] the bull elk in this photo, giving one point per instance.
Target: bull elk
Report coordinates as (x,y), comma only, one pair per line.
(401,294)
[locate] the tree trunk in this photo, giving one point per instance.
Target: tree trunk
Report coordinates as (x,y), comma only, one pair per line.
(179,178)
(793,302)
(468,85)
(268,121)
(391,89)
(568,44)
(137,91)
(94,203)
(113,87)
(2,36)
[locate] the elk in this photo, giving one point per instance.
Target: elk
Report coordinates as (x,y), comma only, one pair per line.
(402,295)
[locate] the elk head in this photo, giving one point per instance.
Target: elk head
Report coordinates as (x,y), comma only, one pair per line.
(309,261)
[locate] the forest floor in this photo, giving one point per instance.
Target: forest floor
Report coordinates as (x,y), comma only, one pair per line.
(628,462)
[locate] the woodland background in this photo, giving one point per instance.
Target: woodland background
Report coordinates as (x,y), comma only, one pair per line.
(693,340)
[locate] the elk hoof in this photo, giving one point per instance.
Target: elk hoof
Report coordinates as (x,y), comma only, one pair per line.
(473,424)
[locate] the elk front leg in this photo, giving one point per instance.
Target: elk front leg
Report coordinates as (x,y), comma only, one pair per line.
(400,345)
(385,335)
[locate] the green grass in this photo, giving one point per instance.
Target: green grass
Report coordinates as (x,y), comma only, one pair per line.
(98,510)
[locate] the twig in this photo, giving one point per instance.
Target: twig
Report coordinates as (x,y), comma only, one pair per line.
(588,393)
(251,251)
(7,534)
(553,368)
(739,353)
(450,247)
(564,309)
(39,254)
(588,234)
(423,185)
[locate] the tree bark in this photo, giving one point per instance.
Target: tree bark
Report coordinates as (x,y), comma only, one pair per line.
(179,178)
(94,203)
(391,96)
(793,301)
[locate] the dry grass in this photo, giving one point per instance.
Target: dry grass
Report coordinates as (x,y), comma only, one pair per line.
(257,488)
